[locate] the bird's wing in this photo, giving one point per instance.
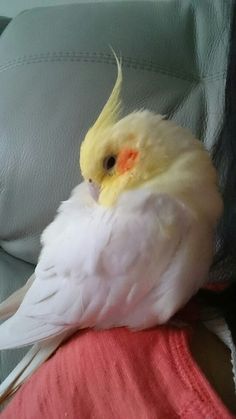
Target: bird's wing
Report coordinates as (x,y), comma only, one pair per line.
(181,254)
(9,306)
(28,324)
(147,232)
(102,263)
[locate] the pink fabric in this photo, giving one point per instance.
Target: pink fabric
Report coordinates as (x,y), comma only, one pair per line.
(118,374)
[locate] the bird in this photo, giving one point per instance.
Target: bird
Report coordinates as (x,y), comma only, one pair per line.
(132,244)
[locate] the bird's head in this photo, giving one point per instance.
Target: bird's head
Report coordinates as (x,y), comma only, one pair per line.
(121,154)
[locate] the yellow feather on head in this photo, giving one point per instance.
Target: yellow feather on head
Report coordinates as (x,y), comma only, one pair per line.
(111,111)
(109,115)
(140,150)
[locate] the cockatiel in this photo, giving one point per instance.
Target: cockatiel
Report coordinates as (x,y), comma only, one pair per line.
(131,245)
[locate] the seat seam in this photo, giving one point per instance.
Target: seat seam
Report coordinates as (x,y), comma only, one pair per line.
(72,56)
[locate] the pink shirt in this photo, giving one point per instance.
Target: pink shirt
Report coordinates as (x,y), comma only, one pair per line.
(118,374)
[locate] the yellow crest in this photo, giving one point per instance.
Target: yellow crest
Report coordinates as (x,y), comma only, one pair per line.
(109,115)
(112,109)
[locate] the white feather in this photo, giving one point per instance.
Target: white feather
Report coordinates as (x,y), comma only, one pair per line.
(9,306)
(38,354)
(132,265)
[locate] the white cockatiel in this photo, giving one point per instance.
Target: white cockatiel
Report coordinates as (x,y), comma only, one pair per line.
(132,244)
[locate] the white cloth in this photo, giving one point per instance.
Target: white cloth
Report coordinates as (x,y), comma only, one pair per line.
(219,327)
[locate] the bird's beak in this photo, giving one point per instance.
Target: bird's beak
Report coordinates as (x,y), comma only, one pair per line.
(94,190)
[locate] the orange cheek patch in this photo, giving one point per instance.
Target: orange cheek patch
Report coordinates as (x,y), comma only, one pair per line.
(127,159)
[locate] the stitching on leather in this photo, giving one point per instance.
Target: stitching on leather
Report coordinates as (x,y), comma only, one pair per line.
(71,56)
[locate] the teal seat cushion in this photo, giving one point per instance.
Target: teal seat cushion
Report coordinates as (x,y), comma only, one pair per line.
(56,72)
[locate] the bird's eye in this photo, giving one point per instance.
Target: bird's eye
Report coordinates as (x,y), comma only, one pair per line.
(109,162)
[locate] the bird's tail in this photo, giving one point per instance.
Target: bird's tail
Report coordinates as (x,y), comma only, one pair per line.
(12,303)
(38,354)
